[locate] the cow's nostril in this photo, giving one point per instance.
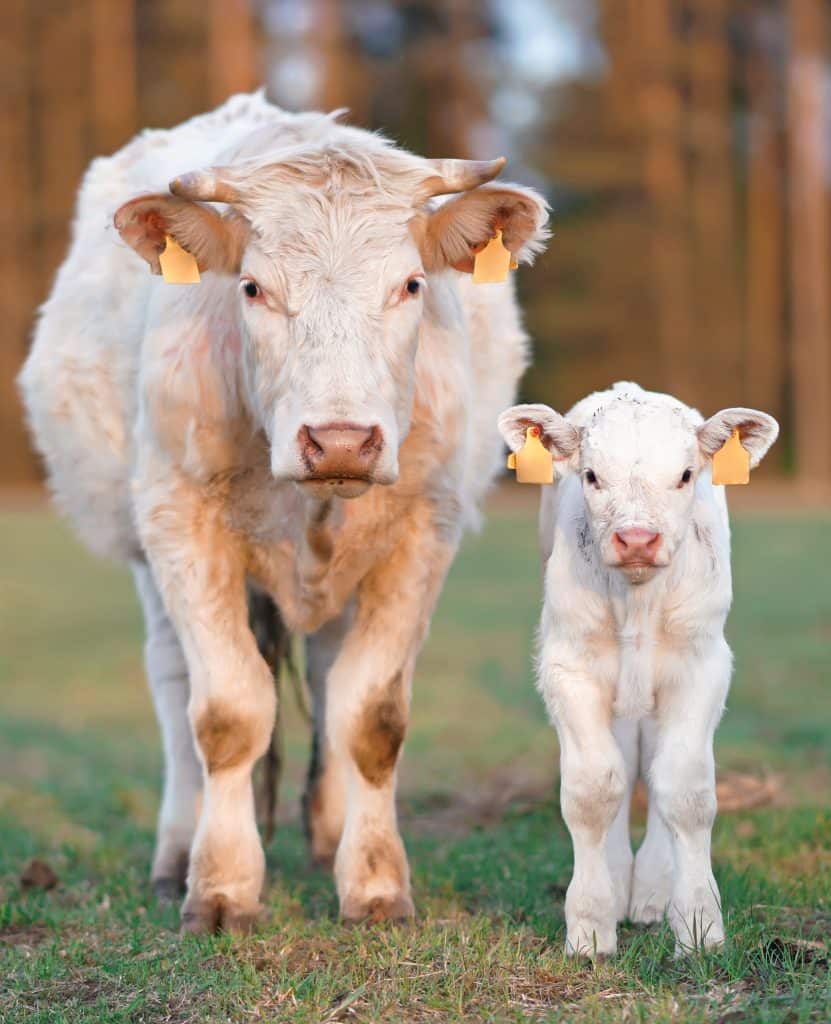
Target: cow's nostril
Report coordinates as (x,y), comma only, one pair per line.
(340,450)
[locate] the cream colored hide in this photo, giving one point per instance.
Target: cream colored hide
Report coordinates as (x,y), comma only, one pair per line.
(315,418)
(633,664)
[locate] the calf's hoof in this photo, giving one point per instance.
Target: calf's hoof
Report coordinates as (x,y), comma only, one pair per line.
(591,939)
(212,914)
(650,899)
(696,931)
(398,908)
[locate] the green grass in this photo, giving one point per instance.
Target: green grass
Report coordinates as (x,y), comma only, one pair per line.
(79,772)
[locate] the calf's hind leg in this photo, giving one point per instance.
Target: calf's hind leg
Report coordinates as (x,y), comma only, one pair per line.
(167,675)
(619,844)
(654,864)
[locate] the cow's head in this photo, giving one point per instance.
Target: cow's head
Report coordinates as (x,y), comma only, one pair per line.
(334,246)
(639,456)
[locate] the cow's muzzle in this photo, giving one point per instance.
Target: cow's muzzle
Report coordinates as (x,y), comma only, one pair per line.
(341,456)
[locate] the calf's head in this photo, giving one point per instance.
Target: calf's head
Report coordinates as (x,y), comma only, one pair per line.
(333,246)
(639,456)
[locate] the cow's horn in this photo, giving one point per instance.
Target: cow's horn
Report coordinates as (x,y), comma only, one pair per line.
(211,186)
(461,175)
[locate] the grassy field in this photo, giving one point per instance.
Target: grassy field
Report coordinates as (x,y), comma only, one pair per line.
(79,775)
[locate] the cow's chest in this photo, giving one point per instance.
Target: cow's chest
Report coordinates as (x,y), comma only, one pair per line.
(308,555)
(648,652)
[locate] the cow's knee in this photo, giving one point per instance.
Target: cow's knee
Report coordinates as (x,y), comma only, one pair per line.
(230,734)
(378,732)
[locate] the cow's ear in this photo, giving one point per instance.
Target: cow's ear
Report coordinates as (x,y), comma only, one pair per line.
(215,240)
(460,227)
(559,436)
(757,432)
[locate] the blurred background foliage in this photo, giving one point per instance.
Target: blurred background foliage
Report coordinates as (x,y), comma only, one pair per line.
(683,145)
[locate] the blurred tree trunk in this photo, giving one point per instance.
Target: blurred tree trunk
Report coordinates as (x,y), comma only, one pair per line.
(113,84)
(665,177)
(18,267)
(718,364)
(233,53)
(766,363)
(809,238)
(60,63)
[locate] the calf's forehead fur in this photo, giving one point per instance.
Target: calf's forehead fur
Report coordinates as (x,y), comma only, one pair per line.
(628,431)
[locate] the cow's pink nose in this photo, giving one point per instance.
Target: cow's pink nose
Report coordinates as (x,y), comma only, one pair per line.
(340,450)
(637,545)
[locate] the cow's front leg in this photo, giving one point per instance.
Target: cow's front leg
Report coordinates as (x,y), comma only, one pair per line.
(683,784)
(367,712)
(592,787)
(200,570)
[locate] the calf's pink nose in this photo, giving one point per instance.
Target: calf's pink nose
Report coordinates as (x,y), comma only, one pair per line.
(637,545)
(340,450)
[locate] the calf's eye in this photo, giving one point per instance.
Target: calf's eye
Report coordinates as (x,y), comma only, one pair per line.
(413,286)
(591,476)
(251,289)
(686,476)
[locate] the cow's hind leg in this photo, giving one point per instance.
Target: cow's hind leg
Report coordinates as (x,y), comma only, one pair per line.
(324,801)
(167,675)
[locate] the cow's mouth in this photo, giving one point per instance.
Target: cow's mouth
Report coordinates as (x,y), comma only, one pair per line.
(323,488)
(638,571)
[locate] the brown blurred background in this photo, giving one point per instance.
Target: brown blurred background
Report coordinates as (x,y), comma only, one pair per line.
(684,147)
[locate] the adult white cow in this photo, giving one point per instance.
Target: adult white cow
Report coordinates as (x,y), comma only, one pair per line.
(633,666)
(211,434)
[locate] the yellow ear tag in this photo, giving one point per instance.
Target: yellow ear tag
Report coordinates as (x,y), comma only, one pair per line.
(731,463)
(533,463)
(178,266)
(492,264)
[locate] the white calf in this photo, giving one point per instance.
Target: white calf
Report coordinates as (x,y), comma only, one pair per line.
(634,667)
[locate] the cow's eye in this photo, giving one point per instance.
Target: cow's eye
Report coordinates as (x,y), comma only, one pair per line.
(686,476)
(591,477)
(251,288)
(412,287)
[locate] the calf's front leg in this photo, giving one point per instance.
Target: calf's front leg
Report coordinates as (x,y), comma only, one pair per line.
(592,787)
(200,570)
(683,784)
(367,712)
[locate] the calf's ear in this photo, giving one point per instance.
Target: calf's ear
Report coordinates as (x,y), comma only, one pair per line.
(215,240)
(458,229)
(757,432)
(559,436)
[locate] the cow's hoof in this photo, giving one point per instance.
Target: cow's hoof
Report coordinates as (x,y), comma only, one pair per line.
(208,916)
(167,890)
(397,908)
